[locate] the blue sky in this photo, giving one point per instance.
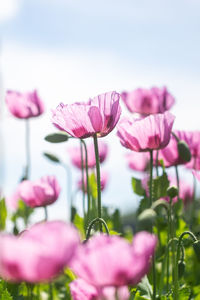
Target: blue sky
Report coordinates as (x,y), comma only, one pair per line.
(72,50)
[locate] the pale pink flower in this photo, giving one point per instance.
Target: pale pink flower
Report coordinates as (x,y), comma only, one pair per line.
(97,261)
(150,133)
(148,101)
(81,120)
(24,105)
(39,254)
(194,145)
(37,193)
(75,155)
(82,290)
(138,161)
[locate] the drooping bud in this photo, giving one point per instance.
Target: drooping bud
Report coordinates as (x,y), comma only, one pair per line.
(184,151)
(181,268)
(172,191)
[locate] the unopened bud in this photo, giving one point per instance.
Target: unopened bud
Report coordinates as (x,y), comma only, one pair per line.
(172,191)
(184,151)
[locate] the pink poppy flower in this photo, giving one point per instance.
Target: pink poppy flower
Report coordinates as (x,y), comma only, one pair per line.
(150,133)
(75,155)
(97,261)
(42,192)
(81,120)
(104,181)
(24,105)
(39,254)
(148,101)
(80,289)
(138,161)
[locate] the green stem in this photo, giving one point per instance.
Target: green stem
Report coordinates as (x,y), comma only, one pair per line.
(87,177)
(99,220)
(27,146)
(157,154)
(45,213)
(50,291)
(83,183)
(175,269)
(192,214)
(150,197)
(98,178)
(177,179)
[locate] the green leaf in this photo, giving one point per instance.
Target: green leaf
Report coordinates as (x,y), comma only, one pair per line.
(184,293)
(52,157)
(160,185)
(137,187)
(3,214)
(57,137)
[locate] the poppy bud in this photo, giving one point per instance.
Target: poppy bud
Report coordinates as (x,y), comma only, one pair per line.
(147,218)
(172,191)
(184,151)
(181,268)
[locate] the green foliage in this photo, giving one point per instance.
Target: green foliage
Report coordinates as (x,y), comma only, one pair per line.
(4,294)
(160,185)
(57,137)
(3,214)
(79,223)
(137,187)
(52,157)
(23,212)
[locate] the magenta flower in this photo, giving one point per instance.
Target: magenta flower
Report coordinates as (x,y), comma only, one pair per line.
(138,161)
(104,181)
(97,261)
(39,254)
(42,192)
(150,133)
(193,143)
(80,289)
(148,101)
(75,155)
(81,120)
(24,105)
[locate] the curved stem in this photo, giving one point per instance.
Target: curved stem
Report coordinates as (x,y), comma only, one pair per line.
(99,220)
(98,178)
(87,177)
(27,145)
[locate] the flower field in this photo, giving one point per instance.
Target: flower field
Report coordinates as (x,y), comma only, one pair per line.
(94,256)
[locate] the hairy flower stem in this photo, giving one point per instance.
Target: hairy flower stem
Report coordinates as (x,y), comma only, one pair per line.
(27,147)
(50,291)
(174,262)
(83,183)
(157,154)
(87,178)
(98,179)
(151,197)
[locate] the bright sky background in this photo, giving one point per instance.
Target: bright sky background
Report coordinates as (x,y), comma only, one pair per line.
(71,50)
